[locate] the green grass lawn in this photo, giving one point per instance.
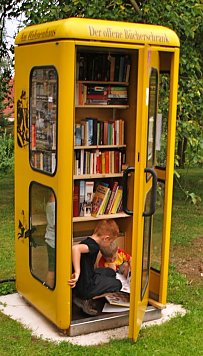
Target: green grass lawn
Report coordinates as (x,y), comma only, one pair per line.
(179,336)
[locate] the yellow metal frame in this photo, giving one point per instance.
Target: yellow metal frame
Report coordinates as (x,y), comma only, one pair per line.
(99,30)
(54,44)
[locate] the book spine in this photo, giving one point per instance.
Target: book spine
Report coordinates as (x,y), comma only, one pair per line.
(103,203)
(117,201)
(33,136)
(110,202)
(77,135)
(76,200)
(82,197)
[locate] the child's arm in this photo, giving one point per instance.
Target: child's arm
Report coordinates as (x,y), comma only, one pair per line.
(76,255)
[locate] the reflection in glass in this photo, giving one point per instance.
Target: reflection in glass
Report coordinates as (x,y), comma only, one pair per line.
(42,239)
(156,245)
(152,111)
(162,122)
(146,247)
(43,118)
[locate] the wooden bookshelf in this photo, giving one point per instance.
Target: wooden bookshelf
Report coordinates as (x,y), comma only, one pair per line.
(98,176)
(100,217)
(102,83)
(103,106)
(93,147)
(110,102)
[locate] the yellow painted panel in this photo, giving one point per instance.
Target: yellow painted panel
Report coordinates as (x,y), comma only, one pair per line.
(48,302)
(99,30)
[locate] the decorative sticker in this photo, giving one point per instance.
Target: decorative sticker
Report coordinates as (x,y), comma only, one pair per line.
(22,120)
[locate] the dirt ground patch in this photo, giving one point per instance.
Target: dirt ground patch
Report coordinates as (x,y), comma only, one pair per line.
(189,259)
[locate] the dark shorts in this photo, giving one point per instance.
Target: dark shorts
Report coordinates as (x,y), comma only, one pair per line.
(104,282)
(51,258)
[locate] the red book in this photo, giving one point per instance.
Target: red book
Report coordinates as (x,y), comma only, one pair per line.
(97,96)
(111,199)
(105,133)
(33,136)
(76,200)
(106,161)
(81,98)
(116,161)
(98,163)
(99,199)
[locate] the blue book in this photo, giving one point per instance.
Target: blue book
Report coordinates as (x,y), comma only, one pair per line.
(90,131)
(77,135)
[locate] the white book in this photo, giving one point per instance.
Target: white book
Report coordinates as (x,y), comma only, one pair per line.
(89,186)
(53,162)
(82,162)
(82,197)
(125,282)
(108,308)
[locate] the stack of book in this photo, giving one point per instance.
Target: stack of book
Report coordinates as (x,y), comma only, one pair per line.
(99,162)
(82,198)
(117,95)
(88,94)
(96,95)
(107,199)
(92,131)
(103,67)
(45,161)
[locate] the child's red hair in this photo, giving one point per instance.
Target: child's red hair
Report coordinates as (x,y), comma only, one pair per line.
(107,227)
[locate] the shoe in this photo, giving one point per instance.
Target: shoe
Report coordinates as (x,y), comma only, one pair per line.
(85,305)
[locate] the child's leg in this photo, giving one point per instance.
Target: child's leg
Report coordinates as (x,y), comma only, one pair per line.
(105,282)
(105,271)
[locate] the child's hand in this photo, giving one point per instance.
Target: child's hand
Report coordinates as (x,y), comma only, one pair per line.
(74,278)
(124,268)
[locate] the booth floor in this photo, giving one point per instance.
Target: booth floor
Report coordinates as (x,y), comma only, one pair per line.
(16,307)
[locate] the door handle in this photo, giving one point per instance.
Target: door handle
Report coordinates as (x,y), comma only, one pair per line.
(154,192)
(125,190)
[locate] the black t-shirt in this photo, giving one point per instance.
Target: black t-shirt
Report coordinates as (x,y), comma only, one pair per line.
(87,262)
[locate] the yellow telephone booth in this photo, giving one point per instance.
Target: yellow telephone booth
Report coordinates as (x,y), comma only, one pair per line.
(88,113)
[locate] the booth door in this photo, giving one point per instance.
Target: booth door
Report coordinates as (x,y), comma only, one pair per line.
(145,187)
(165,147)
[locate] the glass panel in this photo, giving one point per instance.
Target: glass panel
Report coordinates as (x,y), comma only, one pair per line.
(43,234)
(152,110)
(158,217)
(146,247)
(43,119)
(162,121)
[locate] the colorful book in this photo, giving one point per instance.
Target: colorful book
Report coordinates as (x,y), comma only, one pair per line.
(111,199)
(76,200)
(82,197)
(118,298)
(104,205)
(77,135)
(117,200)
(99,199)
(88,198)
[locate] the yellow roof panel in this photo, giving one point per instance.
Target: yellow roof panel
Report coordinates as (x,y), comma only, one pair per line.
(98,30)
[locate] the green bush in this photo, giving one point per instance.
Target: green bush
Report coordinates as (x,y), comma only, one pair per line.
(6,151)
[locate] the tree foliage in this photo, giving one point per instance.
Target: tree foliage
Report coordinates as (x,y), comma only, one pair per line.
(184,17)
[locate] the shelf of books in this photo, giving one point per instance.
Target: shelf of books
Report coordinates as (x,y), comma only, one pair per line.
(100,217)
(43,109)
(97,175)
(102,82)
(104,95)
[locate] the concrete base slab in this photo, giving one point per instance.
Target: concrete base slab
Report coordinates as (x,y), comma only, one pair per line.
(16,307)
